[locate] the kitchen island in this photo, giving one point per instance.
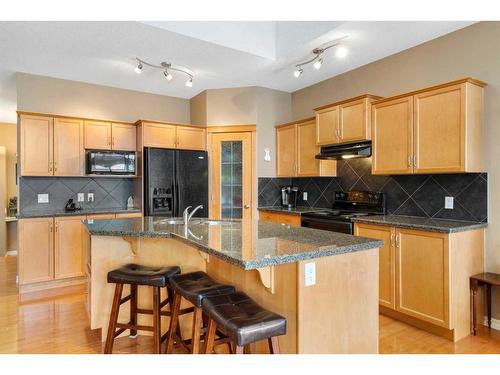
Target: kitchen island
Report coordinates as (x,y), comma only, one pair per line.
(324,283)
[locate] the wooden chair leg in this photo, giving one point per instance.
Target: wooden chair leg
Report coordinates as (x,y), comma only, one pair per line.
(239,350)
(113,318)
(170,294)
(174,320)
(274,346)
(195,337)
(210,337)
(133,309)
(474,287)
(156,321)
(488,303)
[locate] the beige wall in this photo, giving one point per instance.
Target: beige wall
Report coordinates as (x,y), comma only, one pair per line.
(8,139)
(58,96)
(473,51)
(198,109)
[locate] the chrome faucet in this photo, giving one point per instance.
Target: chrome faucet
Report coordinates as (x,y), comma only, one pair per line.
(187,216)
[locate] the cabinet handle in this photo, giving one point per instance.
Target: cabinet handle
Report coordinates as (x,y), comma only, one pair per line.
(50,226)
(397,241)
(414,160)
(392,239)
(56,227)
(409,160)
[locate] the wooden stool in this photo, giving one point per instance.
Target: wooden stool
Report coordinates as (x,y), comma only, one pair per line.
(488,279)
(243,321)
(134,275)
(194,287)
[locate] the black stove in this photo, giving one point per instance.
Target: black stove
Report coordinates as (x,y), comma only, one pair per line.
(346,206)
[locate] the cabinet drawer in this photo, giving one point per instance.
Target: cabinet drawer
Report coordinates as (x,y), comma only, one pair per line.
(280,218)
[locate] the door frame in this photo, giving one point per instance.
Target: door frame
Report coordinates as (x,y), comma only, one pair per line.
(232,129)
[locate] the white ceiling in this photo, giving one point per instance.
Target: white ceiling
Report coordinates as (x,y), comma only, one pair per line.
(221,54)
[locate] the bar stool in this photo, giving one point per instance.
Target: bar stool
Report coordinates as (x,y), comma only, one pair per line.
(243,321)
(134,275)
(194,287)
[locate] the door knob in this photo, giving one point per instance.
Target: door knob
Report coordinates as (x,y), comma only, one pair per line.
(247,206)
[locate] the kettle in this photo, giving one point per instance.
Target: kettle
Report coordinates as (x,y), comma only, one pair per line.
(289,196)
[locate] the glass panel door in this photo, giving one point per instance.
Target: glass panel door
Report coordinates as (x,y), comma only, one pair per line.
(231,179)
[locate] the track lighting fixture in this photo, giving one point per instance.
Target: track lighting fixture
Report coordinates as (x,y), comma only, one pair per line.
(317,59)
(167,69)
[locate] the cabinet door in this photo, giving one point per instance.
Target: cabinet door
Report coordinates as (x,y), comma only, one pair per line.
(123,137)
(68,147)
(36,250)
(159,135)
(97,135)
(422,275)
(280,218)
(307,164)
(69,259)
(36,146)
(392,140)
(327,123)
(387,262)
(354,124)
(286,151)
(191,138)
(439,130)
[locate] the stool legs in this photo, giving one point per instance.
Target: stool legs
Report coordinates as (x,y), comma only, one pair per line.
(488,303)
(156,321)
(195,337)
(113,319)
(133,309)
(274,346)
(174,320)
(473,288)
(210,337)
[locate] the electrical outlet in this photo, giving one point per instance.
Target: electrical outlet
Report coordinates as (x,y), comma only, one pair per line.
(448,203)
(81,197)
(90,197)
(310,274)
(304,195)
(43,198)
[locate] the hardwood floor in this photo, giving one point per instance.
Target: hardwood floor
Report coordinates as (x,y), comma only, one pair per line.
(60,325)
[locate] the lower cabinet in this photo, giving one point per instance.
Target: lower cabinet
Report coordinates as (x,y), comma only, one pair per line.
(68,247)
(424,276)
(281,218)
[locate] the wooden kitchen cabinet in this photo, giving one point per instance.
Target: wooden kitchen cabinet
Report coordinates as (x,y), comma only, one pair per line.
(36,250)
(344,122)
(296,150)
(69,260)
(68,147)
(123,137)
(36,150)
(191,138)
(159,135)
(387,261)
(281,218)
(128,215)
(433,130)
(97,135)
(101,216)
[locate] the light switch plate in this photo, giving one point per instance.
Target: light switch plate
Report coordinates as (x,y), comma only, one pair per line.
(304,195)
(81,197)
(448,203)
(90,197)
(310,274)
(43,198)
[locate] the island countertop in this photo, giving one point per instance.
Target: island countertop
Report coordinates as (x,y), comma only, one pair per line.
(247,244)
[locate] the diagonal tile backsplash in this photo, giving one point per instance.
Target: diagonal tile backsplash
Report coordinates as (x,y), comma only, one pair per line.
(108,192)
(410,195)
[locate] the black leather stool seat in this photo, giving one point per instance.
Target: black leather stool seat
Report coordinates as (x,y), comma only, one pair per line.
(143,275)
(195,286)
(243,320)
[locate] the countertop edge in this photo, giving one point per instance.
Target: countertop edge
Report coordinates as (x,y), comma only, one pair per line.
(426,227)
(78,213)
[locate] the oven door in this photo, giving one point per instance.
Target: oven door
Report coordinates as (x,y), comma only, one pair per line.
(328,224)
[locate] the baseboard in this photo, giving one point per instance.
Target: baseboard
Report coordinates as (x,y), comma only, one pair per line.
(495,323)
(11,253)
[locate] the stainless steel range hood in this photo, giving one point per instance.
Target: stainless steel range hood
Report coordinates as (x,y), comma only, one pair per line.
(346,151)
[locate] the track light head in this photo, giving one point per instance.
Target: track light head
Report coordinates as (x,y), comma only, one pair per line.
(138,68)
(189,82)
(298,72)
(167,75)
(317,64)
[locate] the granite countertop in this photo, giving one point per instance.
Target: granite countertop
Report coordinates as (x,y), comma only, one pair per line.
(89,211)
(421,223)
(295,210)
(247,244)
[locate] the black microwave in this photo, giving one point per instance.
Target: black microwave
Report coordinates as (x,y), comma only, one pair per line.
(110,162)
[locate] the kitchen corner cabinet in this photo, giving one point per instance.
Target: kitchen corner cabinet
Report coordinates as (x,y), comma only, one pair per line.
(163,135)
(345,121)
(424,276)
(296,150)
(434,130)
(51,146)
(102,135)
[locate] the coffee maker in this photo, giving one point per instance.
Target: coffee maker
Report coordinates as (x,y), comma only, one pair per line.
(289,196)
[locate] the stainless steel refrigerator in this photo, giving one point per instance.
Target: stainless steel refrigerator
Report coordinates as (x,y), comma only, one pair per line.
(174,180)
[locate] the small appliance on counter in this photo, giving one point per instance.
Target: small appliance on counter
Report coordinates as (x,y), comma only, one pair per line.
(289,196)
(71,206)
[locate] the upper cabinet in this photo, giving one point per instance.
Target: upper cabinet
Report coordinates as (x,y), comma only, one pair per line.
(434,130)
(102,135)
(345,121)
(296,150)
(51,146)
(164,135)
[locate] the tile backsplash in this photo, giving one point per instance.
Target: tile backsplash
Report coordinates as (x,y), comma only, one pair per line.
(409,195)
(108,192)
